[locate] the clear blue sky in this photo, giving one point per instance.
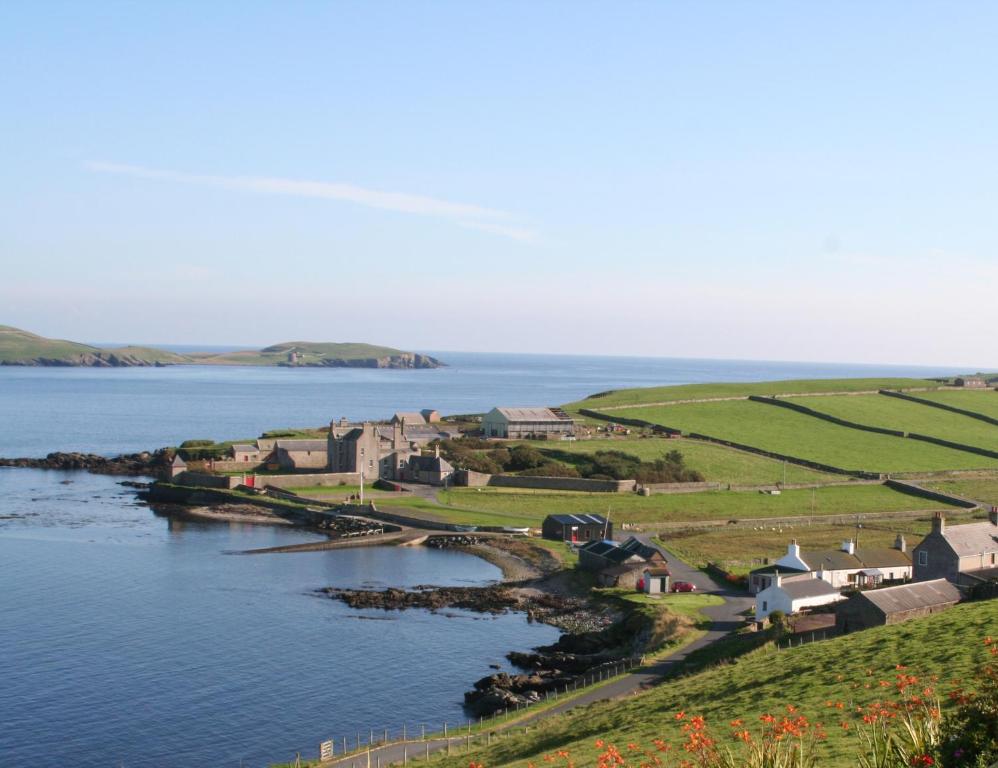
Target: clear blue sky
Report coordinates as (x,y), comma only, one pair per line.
(731,179)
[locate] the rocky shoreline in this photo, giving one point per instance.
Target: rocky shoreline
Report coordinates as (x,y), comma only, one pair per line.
(591,638)
(148,463)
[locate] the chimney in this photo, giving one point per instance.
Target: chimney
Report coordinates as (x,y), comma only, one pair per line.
(777,579)
(436,451)
(900,543)
(993,515)
(849,547)
(397,434)
(939,524)
(793,549)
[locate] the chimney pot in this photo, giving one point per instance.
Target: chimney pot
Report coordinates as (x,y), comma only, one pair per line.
(939,523)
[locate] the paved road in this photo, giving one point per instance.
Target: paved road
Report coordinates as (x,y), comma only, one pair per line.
(725,618)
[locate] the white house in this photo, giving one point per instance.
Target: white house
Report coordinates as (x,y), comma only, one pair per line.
(791,594)
(849,565)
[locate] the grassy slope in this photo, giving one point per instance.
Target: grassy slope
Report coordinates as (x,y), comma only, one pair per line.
(308,351)
(716,462)
(983,401)
(697,391)
(784,431)
(743,548)
(983,489)
(892,413)
(947,644)
(16,344)
(501,506)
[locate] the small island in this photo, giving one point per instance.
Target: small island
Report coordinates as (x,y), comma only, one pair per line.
(23,348)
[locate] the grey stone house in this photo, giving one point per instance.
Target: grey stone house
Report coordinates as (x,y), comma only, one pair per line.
(298,455)
(892,605)
(956,552)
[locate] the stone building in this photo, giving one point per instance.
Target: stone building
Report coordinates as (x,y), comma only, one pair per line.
(298,455)
(971,382)
(526,423)
(956,552)
(892,605)
(245,453)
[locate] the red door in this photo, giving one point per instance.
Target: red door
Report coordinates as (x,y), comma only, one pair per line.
(249,481)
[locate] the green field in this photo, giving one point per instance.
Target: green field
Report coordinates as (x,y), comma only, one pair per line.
(894,413)
(783,431)
(507,506)
(742,548)
(716,462)
(982,401)
(701,391)
(982,489)
(813,678)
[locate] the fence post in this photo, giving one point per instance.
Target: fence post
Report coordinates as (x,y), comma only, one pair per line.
(445,731)
(427,751)
(344,745)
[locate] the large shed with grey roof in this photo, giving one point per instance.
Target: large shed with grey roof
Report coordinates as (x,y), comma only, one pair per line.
(892,605)
(526,422)
(576,528)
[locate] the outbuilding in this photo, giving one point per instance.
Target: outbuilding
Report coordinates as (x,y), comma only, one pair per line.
(792,594)
(892,605)
(576,528)
(655,580)
(527,422)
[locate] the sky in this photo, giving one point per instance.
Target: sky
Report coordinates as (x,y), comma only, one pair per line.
(773,181)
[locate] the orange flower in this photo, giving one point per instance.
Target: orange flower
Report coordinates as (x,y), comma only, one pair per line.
(680,715)
(599,743)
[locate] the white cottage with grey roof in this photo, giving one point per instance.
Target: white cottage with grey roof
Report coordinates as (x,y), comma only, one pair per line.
(792,594)
(521,423)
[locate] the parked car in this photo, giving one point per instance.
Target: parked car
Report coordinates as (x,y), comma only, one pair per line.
(683,586)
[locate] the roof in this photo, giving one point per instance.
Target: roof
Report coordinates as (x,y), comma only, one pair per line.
(302,445)
(909,597)
(660,570)
(808,588)
(598,547)
(839,560)
(972,538)
(528,413)
(177,461)
(410,417)
(244,448)
(774,568)
(638,547)
(430,464)
(577,519)
(610,551)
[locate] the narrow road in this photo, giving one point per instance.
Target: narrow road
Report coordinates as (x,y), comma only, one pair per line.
(725,619)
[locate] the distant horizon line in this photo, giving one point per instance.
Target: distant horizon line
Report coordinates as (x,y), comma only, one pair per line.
(941,367)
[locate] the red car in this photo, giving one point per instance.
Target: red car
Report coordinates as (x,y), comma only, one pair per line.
(683,586)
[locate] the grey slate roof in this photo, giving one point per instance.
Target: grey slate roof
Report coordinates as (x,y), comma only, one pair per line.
(525,413)
(302,445)
(908,597)
(430,464)
(411,418)
(244,448)
(972,538)
(578,519)
(873,557)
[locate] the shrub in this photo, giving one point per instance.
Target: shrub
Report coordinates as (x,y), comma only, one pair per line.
(197,443)
(525,457)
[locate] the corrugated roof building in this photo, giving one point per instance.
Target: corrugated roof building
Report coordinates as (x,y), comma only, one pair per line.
(892,605)
(523,423)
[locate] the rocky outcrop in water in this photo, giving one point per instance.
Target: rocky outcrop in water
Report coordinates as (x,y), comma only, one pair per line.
(145,463)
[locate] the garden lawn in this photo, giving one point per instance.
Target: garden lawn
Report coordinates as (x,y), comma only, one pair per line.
(716,463)
(604,401)
(814,678)
(893,413)
(783,431)
(500,506)
(983,401)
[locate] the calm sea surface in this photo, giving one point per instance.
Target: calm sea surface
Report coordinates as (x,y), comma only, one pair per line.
(132,639)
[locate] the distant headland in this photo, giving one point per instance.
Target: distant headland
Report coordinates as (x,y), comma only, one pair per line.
(23,348)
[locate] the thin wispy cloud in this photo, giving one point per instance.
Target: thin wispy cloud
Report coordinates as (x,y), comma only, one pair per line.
(469,216)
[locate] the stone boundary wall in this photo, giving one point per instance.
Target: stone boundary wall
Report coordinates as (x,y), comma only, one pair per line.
(221,465)
(789,459)
(917,490)
(941,406)
(307,479)
(682,487)
(824,416)
(204,480)
(468,479)
(955,446)
(562,484)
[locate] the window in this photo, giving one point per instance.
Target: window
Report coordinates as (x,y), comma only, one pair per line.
(765,605)
(923,557)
